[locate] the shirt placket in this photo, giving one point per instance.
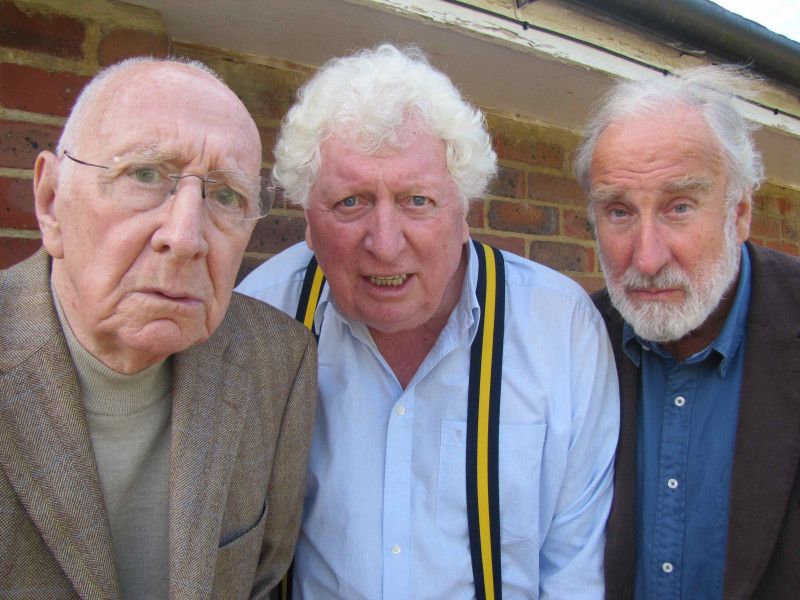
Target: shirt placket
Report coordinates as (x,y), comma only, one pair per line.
(669,530)
(397,551)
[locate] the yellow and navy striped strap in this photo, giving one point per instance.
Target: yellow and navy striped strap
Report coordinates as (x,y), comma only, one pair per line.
(483,426)
(313,283)
(483,416)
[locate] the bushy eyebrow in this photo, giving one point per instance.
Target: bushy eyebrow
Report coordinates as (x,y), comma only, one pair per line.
(154,152)
(159,153)
(690,184)
(602,195)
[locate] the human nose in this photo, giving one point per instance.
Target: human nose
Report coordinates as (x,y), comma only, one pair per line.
(651,250)
(182,230)
(385,237)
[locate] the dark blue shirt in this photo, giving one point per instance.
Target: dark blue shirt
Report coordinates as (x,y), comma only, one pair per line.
(686,422)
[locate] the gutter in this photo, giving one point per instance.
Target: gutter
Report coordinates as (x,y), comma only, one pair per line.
(703,27)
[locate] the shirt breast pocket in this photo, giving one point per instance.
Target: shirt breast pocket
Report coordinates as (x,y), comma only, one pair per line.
(520,460)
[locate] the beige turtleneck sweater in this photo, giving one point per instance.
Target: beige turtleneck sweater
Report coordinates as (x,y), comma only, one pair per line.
(129,425)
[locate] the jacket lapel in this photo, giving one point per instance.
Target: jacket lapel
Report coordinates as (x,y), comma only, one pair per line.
(767,449)
(45,449)
(621,533)
(206,431)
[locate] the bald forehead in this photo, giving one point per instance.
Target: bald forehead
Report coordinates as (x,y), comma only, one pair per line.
(158,103)
(155,82)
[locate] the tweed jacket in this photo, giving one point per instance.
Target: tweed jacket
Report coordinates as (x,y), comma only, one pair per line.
(762,559)
(242,416)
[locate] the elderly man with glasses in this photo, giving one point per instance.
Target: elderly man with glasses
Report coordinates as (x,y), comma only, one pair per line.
(154,426)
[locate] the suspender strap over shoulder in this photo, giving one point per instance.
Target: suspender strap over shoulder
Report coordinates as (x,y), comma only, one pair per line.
(483,416)
(309,295)
(483,426)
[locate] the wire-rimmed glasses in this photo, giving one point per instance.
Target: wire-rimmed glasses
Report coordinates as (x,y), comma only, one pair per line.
(143,184)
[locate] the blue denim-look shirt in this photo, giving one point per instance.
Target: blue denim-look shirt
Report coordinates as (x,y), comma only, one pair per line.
(385,511)
(686,422)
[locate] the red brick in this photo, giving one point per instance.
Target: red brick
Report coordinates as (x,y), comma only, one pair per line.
(35,90)
(21,142)
(275,233)
(509,244)
(267,92)
(558,190)
(577,224)
(125,43)
(16,204)
(762,203)
(784,205)
(291,205)
(786,247)
(765,226)
(790,228)
(268,135)
(475,214)
(757,241)
(509,183)
(523,218)
(563,257)
(36,31)
(14,250)
(536,153)
(772,204)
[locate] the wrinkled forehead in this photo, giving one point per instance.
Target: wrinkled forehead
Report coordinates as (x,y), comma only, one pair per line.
(677,136)
(175,106)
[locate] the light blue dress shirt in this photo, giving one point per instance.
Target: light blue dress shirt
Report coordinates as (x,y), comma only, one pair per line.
(385,511)
(686,426)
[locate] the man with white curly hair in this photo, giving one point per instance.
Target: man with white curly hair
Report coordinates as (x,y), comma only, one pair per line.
(705,332)
(467,416)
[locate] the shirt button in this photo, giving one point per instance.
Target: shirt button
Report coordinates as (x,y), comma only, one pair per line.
(672,483)
(667,567)
(680,401)
(395,549)
(401,410)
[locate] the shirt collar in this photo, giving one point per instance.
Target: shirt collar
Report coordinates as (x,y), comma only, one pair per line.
(726,343)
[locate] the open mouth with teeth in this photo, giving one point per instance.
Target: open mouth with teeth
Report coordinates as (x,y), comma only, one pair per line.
(394,281)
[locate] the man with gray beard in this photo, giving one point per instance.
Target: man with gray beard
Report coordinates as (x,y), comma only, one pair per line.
(705,329)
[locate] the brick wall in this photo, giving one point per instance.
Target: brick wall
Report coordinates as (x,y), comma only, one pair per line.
(50,48)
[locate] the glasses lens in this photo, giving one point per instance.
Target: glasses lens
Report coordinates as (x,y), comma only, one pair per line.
(138,185)
(237,196)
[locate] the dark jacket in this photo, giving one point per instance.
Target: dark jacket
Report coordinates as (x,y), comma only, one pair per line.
(762,561)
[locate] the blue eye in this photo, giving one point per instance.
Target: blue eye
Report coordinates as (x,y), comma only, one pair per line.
(682,208)
(419,200)
(349,202)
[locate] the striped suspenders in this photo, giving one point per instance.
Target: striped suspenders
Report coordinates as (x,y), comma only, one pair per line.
(313,283)
(483,426)
(483,416)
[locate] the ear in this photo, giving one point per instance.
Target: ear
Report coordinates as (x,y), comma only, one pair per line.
(744,213)
(464,230)
(308,235)
(45,187)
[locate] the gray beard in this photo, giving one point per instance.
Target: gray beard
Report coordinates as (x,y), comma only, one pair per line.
(664,322)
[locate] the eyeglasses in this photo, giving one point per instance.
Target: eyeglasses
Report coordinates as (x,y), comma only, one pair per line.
(143,184)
